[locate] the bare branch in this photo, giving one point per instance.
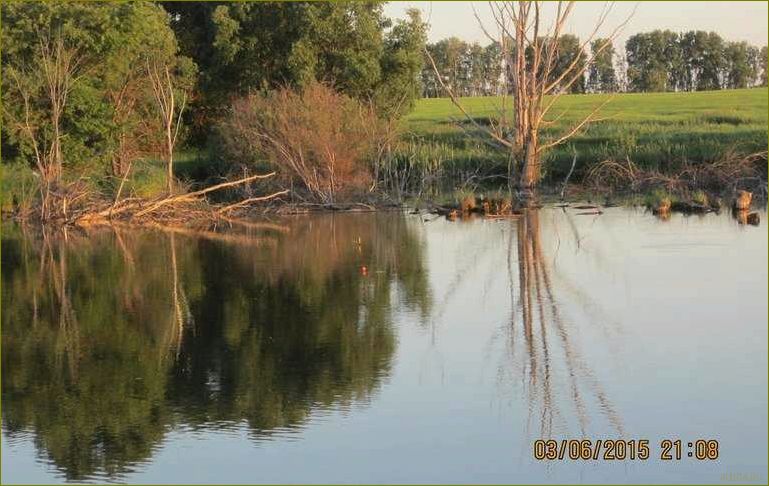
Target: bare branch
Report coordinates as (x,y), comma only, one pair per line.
(456,103)
(588,119)
(250,200)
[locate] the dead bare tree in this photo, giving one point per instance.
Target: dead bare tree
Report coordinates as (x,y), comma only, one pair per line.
(170,110)
(125,99)
(60,65)
(530,50)
(56,74)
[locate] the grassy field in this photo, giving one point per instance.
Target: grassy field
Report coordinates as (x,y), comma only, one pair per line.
(655,130)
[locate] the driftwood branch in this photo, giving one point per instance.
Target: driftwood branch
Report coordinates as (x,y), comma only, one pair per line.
(193,195)
(250,200)
(126,206)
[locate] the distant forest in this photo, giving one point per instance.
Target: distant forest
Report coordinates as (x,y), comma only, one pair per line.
(655,61)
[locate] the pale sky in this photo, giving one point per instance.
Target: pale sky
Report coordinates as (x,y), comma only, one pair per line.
(735,21)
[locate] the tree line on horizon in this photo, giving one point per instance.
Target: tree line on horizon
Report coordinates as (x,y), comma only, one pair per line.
(656,61)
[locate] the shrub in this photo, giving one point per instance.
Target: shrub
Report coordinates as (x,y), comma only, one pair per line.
(317,137)
(18,187)
(700,198)
(659,198)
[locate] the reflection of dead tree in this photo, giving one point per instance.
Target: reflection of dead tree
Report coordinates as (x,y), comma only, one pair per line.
(181,317)
(54,273)
(547,344)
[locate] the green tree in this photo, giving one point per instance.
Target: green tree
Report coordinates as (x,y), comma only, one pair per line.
(105,116)
(703,54)
(711,62)
(602,78)
(739,70)
(492,68)
(449,56)
(570,51)
(475,69)
(402,63)
(243,47)
(653,60)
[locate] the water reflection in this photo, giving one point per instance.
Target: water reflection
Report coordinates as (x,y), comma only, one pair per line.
(381,347)
(559,383)
(110,339)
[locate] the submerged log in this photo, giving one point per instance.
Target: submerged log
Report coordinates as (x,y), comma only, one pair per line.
(690,207)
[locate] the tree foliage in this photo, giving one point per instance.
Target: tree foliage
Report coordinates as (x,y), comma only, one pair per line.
(690,61)
(105,120)
(243,47)
(601,74)
(660,60)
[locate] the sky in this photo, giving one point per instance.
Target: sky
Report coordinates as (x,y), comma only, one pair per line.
(735,21)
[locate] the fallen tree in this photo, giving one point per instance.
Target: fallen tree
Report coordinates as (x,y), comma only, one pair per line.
(78,206)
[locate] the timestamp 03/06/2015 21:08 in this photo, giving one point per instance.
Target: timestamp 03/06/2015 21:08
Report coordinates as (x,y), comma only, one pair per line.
(620,449)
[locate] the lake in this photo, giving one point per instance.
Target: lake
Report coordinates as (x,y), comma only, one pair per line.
(385,348)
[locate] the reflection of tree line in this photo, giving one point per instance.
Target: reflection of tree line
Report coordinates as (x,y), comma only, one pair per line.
(557,379)
(109,340)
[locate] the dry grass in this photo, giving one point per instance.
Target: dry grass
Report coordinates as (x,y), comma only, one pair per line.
(731,172)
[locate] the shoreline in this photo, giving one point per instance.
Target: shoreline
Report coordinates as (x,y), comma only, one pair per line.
(205,215)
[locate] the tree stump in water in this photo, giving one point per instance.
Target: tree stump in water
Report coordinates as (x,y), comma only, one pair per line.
(486,206)
(744,217)
(467,204)
(663,207)
(743,199)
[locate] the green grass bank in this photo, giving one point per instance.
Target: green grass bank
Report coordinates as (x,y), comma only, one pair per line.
(657,131)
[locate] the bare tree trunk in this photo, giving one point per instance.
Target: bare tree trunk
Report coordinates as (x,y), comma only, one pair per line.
(170,114)
(58,72)
(530,168)
(530,53)
(169,160)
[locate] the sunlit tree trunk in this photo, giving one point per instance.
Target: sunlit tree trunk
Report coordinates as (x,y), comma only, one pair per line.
(170,111)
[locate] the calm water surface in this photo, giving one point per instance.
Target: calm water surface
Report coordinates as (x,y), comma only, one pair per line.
(384,348)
